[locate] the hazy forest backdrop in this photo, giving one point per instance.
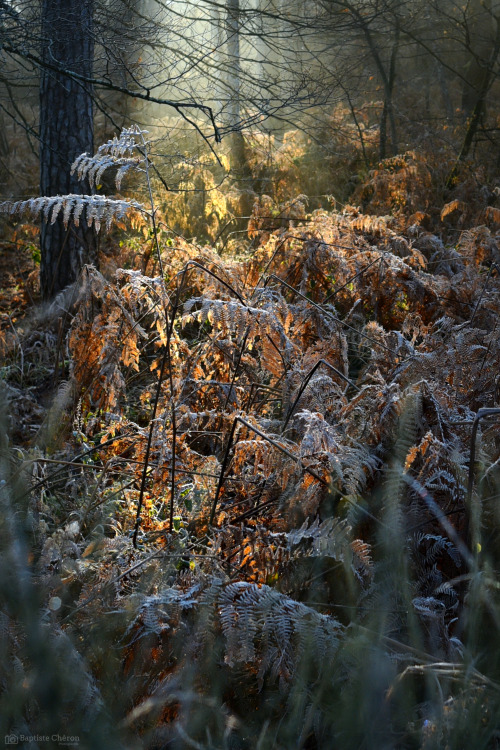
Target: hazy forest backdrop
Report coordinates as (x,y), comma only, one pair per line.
(249,376)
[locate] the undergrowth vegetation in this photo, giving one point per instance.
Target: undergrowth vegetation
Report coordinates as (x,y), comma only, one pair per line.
(262,509)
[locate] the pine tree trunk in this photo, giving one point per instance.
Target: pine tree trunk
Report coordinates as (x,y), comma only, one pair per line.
(237,153)
(66,130)
(236,142)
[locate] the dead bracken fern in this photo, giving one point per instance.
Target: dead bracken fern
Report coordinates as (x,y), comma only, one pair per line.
(93,209)
(268,497)
(120,153)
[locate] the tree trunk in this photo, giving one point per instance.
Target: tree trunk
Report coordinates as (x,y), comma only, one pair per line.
(237,154)
(388,110)
(236,143)
(480,105)
(66,130)
(480,34)
(4,150)
(233,53)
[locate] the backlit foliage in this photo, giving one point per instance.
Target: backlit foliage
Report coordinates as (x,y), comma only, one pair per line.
(289,437)
(96,209)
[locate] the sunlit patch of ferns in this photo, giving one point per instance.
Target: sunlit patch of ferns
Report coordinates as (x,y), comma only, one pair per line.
(343,358)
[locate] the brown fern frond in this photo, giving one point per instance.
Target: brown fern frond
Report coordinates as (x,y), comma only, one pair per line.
(453,207)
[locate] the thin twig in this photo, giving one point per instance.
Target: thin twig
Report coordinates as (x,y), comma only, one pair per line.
(269,440)
(327,312)
(305,383)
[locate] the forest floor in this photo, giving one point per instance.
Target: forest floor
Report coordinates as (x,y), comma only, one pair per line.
(255,503)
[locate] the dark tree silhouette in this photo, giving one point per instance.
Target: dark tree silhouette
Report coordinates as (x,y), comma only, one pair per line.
(66,130)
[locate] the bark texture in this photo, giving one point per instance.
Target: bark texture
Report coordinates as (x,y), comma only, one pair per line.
(237,153)
(66,130)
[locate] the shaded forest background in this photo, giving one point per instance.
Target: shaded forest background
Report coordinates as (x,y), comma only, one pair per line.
(250,374)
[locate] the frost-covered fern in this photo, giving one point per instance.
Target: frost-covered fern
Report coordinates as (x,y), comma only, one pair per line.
(120,152)
(95,209)
(262,628)
(260,623)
